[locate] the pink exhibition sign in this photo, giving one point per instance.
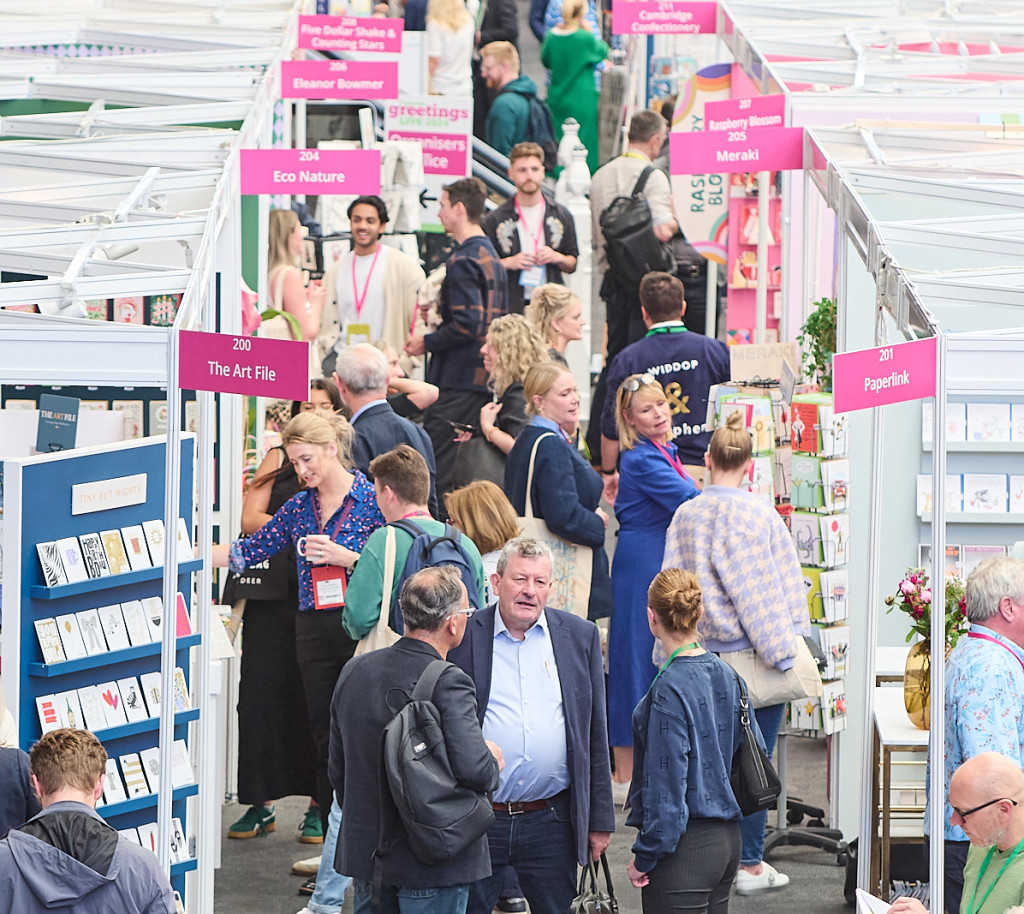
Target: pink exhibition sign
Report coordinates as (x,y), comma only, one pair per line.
(243,365)
(442,155)
(887,374)
(728,151)
(349,33)
(663,17)
(743,113)
(356,79)
(310,171)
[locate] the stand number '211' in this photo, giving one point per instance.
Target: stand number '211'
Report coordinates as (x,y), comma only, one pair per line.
(885,355)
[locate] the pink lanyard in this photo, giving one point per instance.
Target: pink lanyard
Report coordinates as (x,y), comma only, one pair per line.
(361,299)
(1000,643)
(674,462)
(536,236)
(349,501)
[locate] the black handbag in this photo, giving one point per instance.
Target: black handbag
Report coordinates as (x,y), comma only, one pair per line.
(592,900)
(754,781)
(266,580)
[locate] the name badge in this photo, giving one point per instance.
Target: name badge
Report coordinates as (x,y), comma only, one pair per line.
(354,333)
(532,277)
(328,586)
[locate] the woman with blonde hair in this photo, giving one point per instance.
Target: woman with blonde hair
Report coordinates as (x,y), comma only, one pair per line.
(483,512)
(740,549)
(449,41)
(566,489)
(288,293)
(557,315)
(328,522)
(571,52)
(652,484)
(686,732)
(511,348)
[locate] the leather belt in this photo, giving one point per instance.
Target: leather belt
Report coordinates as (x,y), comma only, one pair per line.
(517,807)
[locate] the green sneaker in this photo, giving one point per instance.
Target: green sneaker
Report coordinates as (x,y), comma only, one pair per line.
(311,830)
(258,820)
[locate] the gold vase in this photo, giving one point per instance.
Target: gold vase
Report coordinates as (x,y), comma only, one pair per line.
(917,684)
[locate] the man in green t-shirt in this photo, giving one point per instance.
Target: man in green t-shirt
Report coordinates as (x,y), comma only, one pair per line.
(987,796)
(402,482)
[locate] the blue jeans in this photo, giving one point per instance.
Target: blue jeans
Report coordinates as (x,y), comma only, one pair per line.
(752,827)
(451,899)
(541,847)
(330,885)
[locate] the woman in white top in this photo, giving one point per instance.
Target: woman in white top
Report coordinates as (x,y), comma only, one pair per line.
(288,293)
(483,512)
(450,35)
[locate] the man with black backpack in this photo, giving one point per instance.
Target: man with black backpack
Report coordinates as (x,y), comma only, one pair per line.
(376,748)
(411,540)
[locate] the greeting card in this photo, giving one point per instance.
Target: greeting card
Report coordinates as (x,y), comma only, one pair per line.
(972,556)
(131,698)
(92,708)
(113,709)
(805,714)
(1017,421)
(96,564)
(956,422)
(114,630)
(835,645)
(833,706)
(49,561)
(179,844)
(182,620)
(782,471)
(806,532)
(154,610)
(835,586)
(130,834)
(986,493)
(132,410)
(151,692)
(812,587)
(988,421)
(49,641)
(71,636)
(185,553)
(113,786)
(49,717)
(951,566)
(113,546)
(1016,494)
(69,709)
(835,475)
(151,767)
(835,539)
(154,532)
(148,835)
(954,493)
(134,777)
(182,702)
(136,620)
(760,479)
(181,768)
(157,417)
(129,309)
(71,559)
(135,546)
(806,480)
(92,632)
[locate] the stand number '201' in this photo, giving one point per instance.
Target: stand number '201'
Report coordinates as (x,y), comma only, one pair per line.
(885,355)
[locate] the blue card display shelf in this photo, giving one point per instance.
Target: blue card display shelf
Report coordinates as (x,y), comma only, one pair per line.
(37,507)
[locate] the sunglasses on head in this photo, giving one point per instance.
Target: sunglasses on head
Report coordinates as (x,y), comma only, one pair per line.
(633,383)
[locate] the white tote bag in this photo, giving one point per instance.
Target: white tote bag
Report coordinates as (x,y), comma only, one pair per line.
(382,634)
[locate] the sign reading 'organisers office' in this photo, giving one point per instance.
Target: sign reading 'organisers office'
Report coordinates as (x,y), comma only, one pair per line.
(310,171)
(348,33)
(352,79)
(663,17)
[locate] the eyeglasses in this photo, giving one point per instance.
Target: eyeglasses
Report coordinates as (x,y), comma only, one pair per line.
(964,813)
(634,382)
(468,613)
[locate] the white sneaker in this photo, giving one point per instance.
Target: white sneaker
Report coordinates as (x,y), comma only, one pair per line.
(308,867)
(766,881)
(305,911)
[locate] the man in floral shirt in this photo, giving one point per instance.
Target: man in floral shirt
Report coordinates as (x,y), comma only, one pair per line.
(534,236)
(984,700)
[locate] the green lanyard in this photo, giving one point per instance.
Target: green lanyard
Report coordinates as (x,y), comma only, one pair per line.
(971,909)
(673,656)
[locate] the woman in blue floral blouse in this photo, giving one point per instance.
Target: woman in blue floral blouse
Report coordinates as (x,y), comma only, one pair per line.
(328,522)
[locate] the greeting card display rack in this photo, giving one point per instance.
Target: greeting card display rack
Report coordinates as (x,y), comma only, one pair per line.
(39,506)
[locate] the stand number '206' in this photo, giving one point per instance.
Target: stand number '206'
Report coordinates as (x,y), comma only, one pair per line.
(885,355)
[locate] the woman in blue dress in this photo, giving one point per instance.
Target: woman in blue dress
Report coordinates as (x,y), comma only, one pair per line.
(652,484)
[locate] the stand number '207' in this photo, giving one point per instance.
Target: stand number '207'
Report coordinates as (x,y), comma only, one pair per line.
(885,355)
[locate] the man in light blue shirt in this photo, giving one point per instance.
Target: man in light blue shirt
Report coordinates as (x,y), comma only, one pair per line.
(540,696)
(984,701)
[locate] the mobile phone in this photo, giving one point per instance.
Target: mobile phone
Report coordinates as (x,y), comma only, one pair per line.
(460,426)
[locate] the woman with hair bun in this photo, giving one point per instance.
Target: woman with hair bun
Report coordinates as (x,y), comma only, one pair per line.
(686,731)
(743,555)
(557,315)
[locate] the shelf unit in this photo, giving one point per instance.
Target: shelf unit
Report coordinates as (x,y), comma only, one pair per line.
(741,245)
(37,507)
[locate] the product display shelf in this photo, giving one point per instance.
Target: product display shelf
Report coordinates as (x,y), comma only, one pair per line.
(101,660)
(960,517)
(149,725)
(981,447)
(148,801)
(94,585)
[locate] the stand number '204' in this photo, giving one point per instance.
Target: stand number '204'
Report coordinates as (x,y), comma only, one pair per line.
(885,355)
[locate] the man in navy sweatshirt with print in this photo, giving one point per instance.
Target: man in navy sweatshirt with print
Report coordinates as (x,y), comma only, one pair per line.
(474,292)
(686,364)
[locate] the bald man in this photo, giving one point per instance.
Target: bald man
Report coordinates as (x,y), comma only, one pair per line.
(987,796)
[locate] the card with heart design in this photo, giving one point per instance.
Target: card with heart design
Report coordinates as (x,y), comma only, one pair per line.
(71,636)
(72,560)
(113,707)
(134,777)
(113,787)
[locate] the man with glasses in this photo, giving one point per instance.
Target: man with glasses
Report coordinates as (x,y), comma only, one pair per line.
(369,693)
(540,696)
(984,701)
(685,363)
(985,797)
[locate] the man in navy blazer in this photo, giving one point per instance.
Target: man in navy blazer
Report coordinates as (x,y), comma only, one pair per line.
(540,696)
(361,374)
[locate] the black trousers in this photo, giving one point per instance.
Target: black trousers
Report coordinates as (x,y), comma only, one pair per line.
(322,648)
(451,406)
(698,876)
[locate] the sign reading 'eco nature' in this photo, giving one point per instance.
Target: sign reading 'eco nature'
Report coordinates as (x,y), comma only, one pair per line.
(888,374)
(663,17)
(356,79)
(348,33)
(243,365)
(310,171)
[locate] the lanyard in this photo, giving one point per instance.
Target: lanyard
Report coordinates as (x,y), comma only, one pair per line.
(415,514)
(361,299)
(673,655)
(1007,647)
(656,330)
(349,501)
(534,236)
(971,909)
(674,461)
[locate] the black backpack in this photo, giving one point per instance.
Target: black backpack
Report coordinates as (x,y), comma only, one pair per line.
(632,249)
(429,551)
(441,817)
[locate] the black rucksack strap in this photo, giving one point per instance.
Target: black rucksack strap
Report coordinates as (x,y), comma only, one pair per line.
(642,180)
(425,685)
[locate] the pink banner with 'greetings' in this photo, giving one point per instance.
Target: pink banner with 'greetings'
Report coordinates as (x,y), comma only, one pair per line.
(339,79)
(243,365)
(349,33)
(887,374)
(754,149)
(663,17)
(743,113)
(310,171)
(442,155)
